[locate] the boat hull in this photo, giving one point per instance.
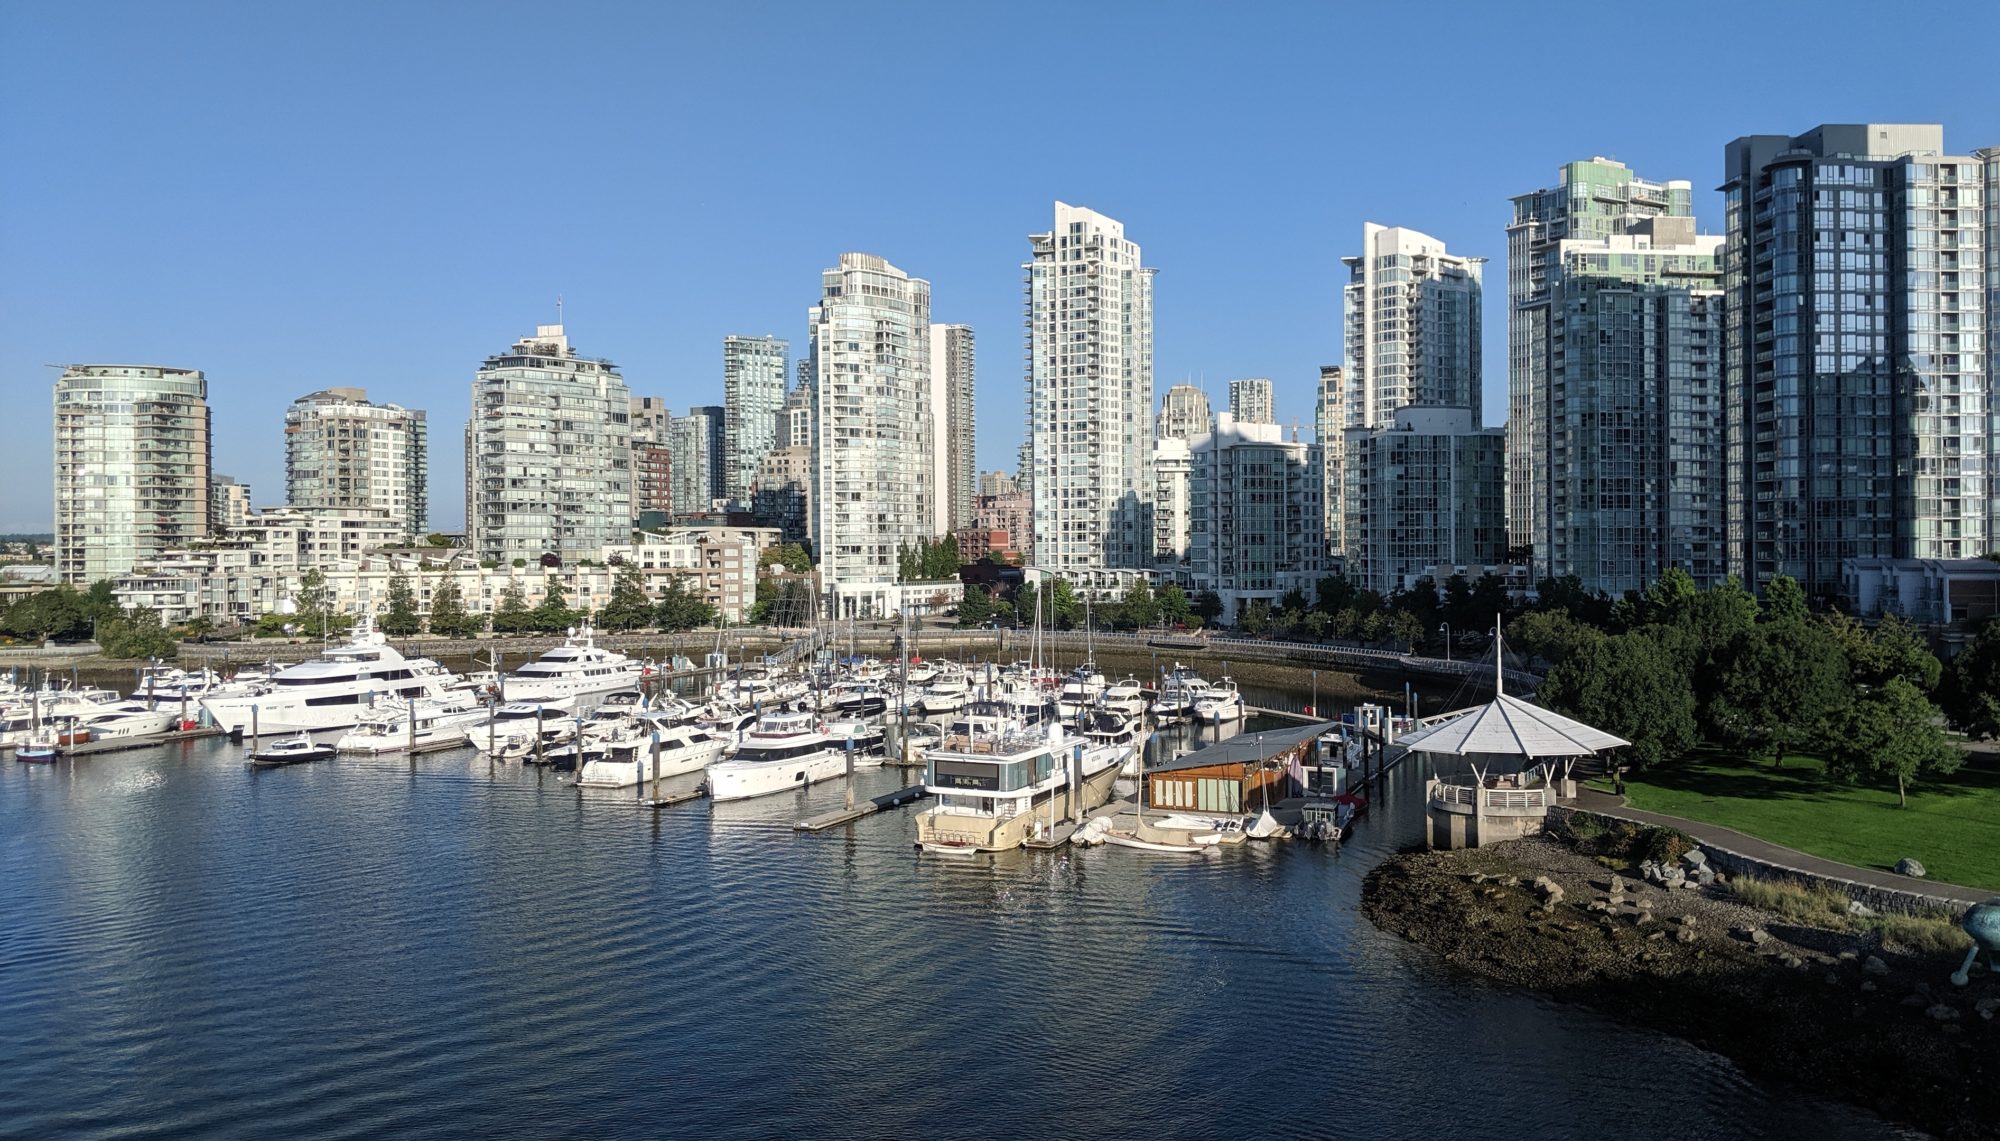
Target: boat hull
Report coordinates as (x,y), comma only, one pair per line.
(625,774)
(742,780)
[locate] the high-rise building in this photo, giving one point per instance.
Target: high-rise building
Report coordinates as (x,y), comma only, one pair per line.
(1858,382)
(1184,414)
(548,453)
(782,495)
(652,457)
(132,466)
(1251,401)
(1614,381)
(1426,489)
(753,395)
(952,441)
(1173,468)
(872,430)
(1329,422)
(229,503)
(344,454)
(696,442)
(1090,398)
(997,483)
(795,423)
(1254,515)
(1411,326)
(1590,201)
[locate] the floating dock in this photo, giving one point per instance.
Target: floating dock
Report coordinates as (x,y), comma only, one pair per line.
(868,807)
(672,798)
(147,741)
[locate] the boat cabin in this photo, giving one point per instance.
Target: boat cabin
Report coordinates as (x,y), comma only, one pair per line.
(1242,774)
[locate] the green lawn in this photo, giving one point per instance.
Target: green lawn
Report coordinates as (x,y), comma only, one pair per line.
(1952,827)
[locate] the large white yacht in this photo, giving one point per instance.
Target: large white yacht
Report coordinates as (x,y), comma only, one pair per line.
(387,729)
(128,719)
(785,751)
(330,692)
(998,781)
(682,749)
(577,668)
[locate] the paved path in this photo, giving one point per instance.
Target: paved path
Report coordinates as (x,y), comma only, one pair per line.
(1606,804)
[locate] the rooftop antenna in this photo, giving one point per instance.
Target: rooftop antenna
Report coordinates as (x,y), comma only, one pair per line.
(559,320)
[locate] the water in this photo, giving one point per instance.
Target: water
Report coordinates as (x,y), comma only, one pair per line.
(449,947)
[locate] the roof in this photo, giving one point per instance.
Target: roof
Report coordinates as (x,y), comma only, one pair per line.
(1508,726)
(1247,747)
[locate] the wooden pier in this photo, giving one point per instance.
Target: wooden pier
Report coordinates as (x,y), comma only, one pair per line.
(868,807)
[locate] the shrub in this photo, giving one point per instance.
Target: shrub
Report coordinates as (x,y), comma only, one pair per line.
(1921,934)
(1815,904)
(1665,845)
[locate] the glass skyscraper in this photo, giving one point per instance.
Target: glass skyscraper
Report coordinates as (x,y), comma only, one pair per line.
(1858,383)
(754,372)
(344,454)
(132,452)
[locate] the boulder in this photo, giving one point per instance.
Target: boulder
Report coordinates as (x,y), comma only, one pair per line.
(1987,1007)
(1684,935)
(1694,858)
(1550,891)
(1909,867)
(1868,986)
(1759,936)
(1672,877)
(1939,1012)
(1859,909)
(1617,884)
(1704,875)
(1874,966)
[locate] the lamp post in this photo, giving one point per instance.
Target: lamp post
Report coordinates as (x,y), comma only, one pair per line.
(1445,629)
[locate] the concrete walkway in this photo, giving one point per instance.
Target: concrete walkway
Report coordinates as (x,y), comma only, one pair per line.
(1606,804)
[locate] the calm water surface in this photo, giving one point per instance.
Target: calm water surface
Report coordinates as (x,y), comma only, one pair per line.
(450,947)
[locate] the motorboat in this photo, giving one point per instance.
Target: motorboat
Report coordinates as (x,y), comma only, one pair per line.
(511,730)
(919,674)
(128,719)
(864,735)
(165,687)
(1219,703)
(666,751)
(577,668)
(1178,696)
(1107,727)
(333,691)
(1079,691)
(785,751)
(392,729)
(859,699)
(998,780)
(946,694)
(291,751)
(39,748)
(1125,697)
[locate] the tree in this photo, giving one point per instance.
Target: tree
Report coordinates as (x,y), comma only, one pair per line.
(1065,609)
(554,613)
(976,608)
(1628,685)
(59,614)
(1025,598)
(1784,599)
(448,614)
(1890,734)
(629,607)
(1671,599)
(1782,681)
(1970,691)
(436,539)
(682,609)
(401,618)
(1335,593)
(1255,618)
(511,615)
(1592,608)
(1551,635)
(1208,605)
(1893,649)
(135,633)
(790,556)
(1405,629)
(1141,609)
(1173,604)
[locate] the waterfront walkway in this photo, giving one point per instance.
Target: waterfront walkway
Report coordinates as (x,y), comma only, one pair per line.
(1763,851)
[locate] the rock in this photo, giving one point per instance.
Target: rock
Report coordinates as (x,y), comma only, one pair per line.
(1603,905)
(1915,1000)
(1686,921)
(1794,962)
(1645,905)
(1859,909)
(1617,884)
(1939,1012)
(1704,875)
(1986,1008)
(1694,858)
(1874,966)
(1656,935)
(1672,877)
(1849,956)
(1550,891)
(1759,936)
(1909,867)
(1685,935)
(1868,986)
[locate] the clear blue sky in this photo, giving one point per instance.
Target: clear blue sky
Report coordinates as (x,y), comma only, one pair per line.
(295,195)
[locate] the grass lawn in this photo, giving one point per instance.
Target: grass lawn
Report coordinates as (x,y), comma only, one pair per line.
(1952,826)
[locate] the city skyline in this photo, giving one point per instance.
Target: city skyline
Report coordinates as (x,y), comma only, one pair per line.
(269,262)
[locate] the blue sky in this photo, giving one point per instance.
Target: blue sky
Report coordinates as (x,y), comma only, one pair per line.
(296,195)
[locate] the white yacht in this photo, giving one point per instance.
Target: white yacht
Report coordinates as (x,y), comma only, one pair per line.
(1178,695)
(785,751)
(1080,690)
(164,687)
(127,719)
(1124,697)
(577,668)
(1219,703)
(511,730)
(1104,726)
(389,729)
(946,694)
(1002,781)
(330,692)
(682,749)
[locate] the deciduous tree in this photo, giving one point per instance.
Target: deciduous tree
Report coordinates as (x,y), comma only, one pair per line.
(1890,735)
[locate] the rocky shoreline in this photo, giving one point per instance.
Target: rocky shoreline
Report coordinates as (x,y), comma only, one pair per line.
(1835,1013)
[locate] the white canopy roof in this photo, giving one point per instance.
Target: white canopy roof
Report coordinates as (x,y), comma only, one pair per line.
(1510,727)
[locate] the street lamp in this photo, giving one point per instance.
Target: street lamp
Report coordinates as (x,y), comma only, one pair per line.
(1445,629)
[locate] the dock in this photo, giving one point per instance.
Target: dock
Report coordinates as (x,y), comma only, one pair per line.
(868,807)
(147,741)
(673,798)
(1058,836)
